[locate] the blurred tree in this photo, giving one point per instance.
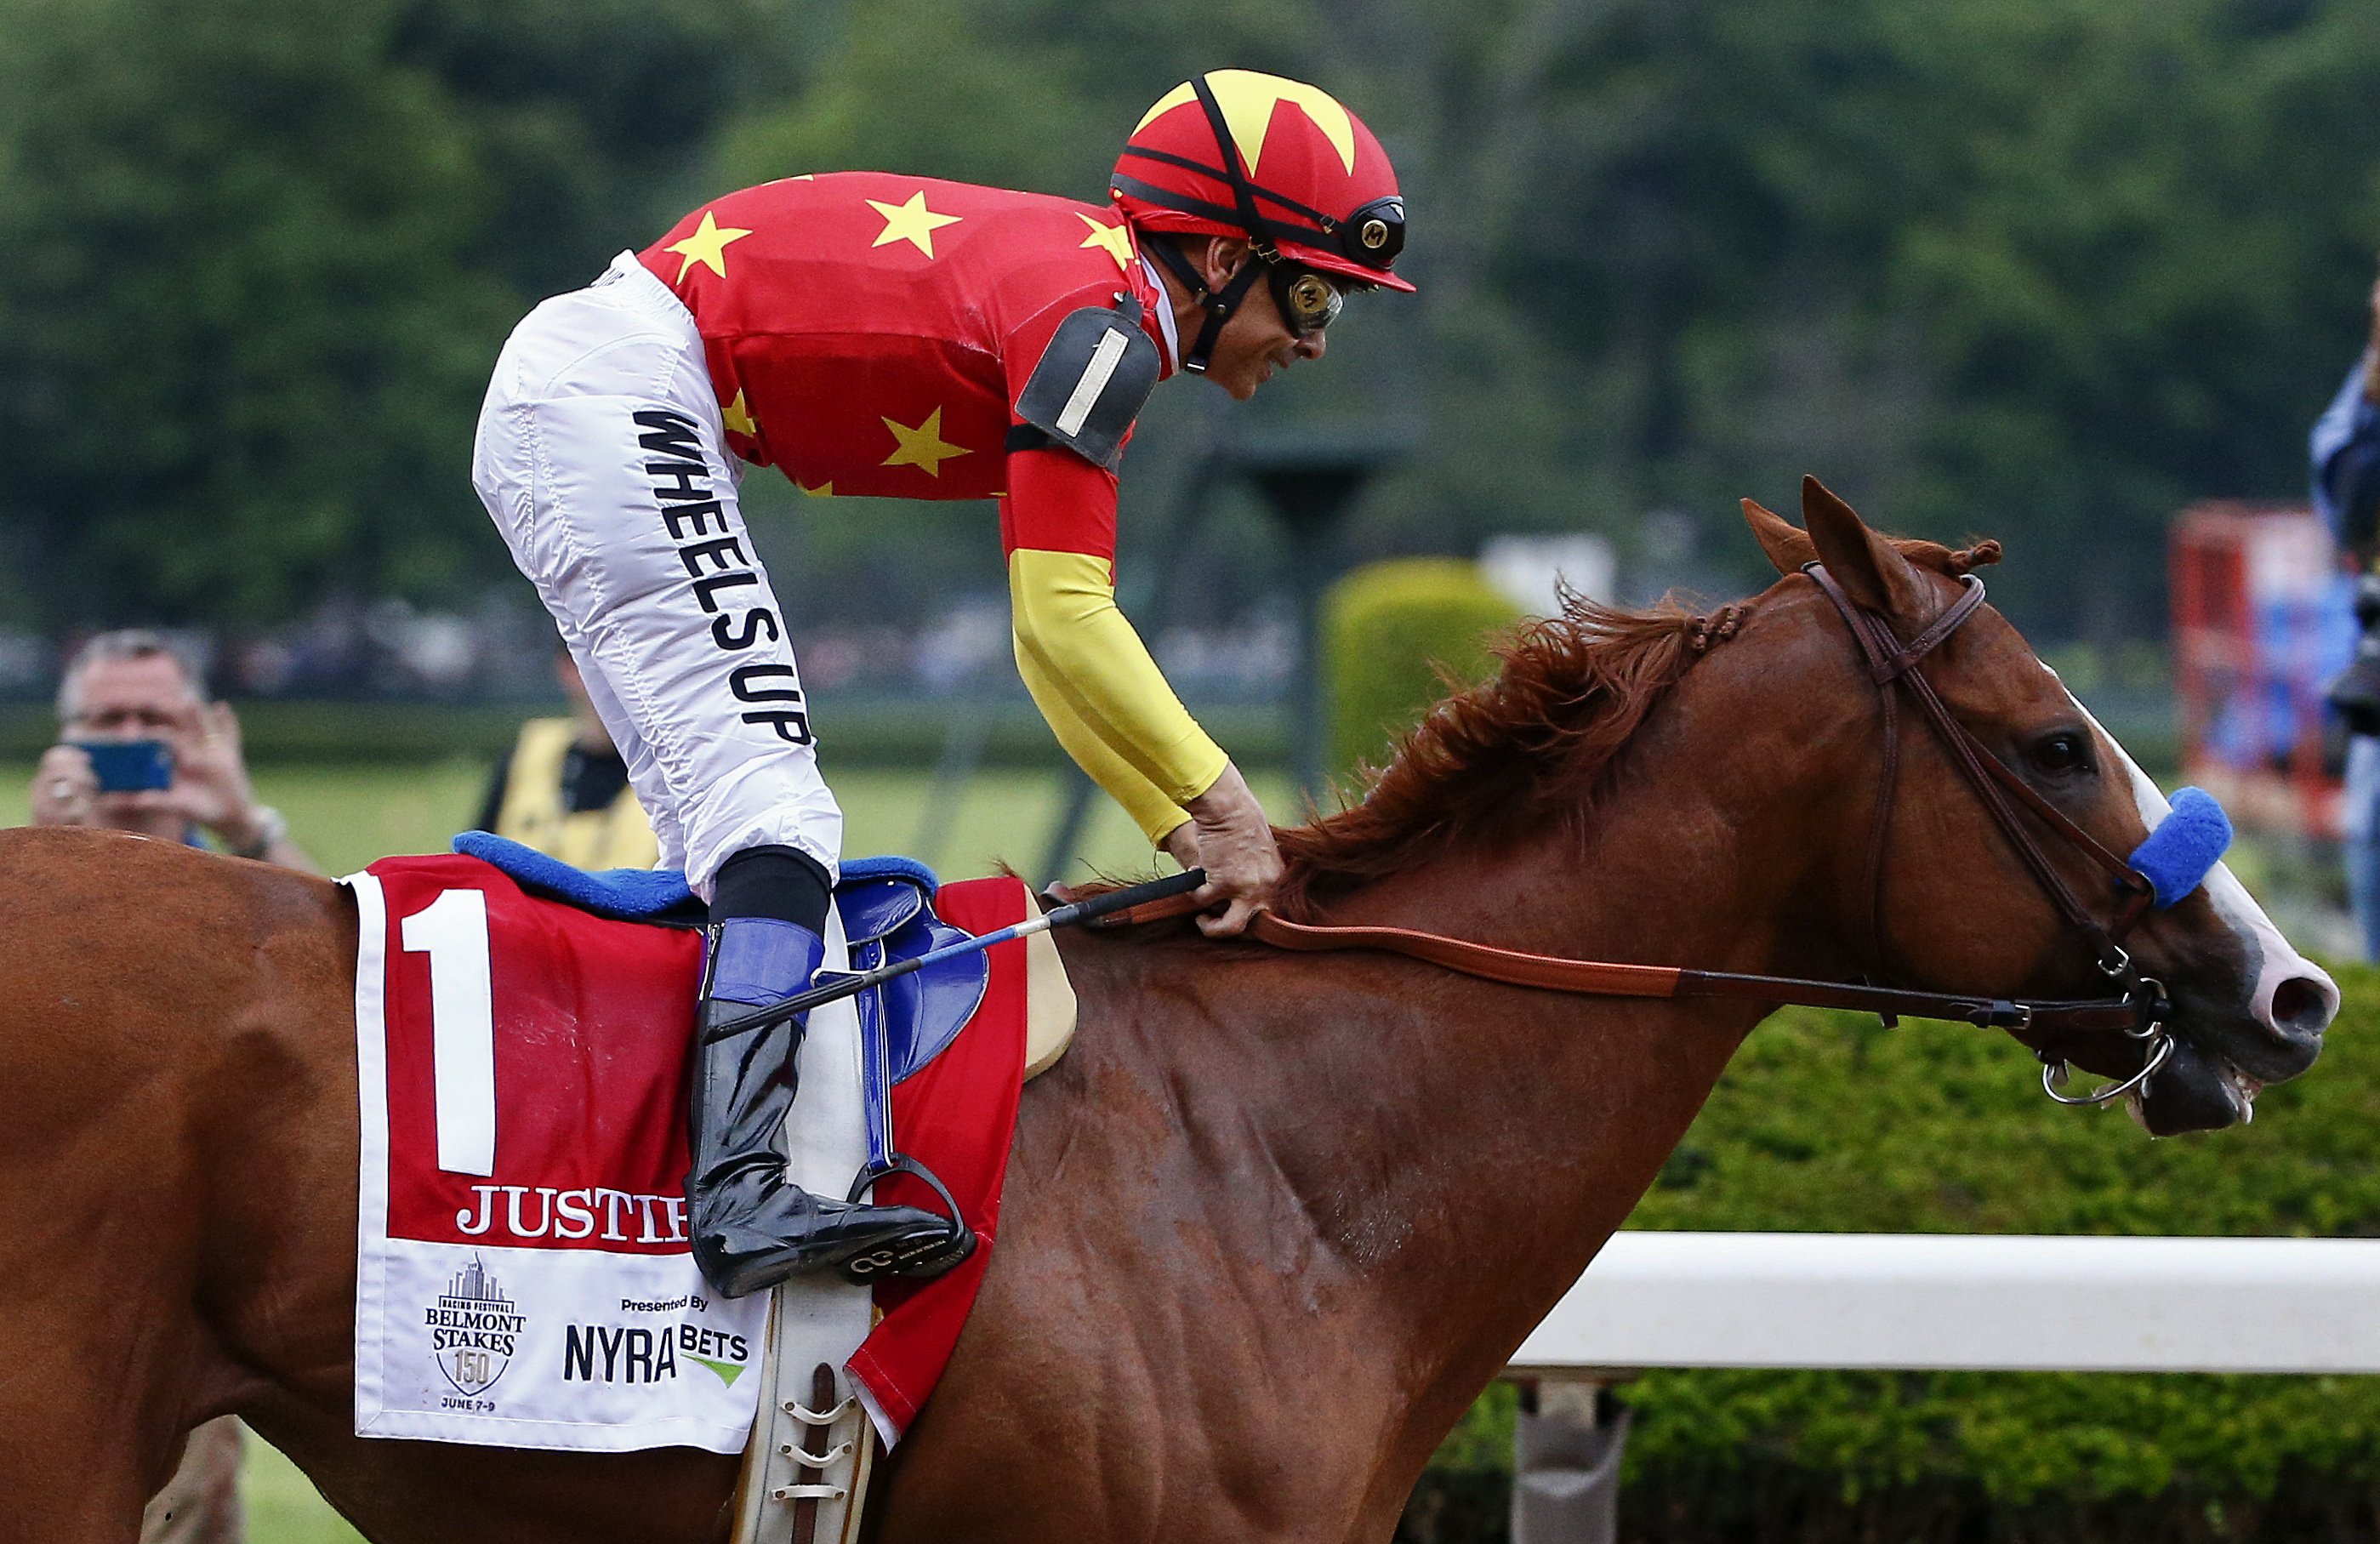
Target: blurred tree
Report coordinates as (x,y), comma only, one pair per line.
(240,336)
(2046,268)
(593,119)
(1008,111)
(256,259)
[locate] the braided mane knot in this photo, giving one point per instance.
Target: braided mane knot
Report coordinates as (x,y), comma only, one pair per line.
(1708,632)
(1967,560)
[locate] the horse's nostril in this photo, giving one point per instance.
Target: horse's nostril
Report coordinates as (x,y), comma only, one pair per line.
(2300,1006)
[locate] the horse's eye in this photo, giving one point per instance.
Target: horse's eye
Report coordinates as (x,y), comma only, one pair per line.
(2065,751)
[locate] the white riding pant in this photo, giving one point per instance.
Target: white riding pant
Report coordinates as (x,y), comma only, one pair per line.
(601,456)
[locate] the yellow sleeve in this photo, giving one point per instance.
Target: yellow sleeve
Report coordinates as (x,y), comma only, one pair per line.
(1063,609)
(1143,800)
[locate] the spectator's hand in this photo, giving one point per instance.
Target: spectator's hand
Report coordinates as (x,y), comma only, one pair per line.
(211,785)
(65,791)
(1234,842)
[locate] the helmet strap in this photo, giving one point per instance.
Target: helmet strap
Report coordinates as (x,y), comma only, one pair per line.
(1243,194)
(1218,305)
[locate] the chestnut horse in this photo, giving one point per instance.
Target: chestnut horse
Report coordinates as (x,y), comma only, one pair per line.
(1272,1225)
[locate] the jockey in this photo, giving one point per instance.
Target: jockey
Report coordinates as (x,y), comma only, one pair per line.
(873,335)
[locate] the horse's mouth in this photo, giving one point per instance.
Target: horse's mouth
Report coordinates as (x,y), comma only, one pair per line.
(2195,1090)
(2244,1090)
(2229,1049)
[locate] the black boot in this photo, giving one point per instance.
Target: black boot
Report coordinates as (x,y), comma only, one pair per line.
(752,1228)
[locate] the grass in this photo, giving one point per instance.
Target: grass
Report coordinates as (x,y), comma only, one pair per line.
(348,815)
(281,1504)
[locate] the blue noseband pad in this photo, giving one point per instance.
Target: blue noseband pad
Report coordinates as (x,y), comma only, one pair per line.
(2185,846)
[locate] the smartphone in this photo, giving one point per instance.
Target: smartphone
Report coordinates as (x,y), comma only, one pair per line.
(128,766)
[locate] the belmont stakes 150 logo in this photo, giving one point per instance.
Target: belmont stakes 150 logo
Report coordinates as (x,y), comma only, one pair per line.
(474,1329)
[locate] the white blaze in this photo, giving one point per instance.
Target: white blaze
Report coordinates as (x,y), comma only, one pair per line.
(2270,955)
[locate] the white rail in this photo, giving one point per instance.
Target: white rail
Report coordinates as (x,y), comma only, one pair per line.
(1931,1302)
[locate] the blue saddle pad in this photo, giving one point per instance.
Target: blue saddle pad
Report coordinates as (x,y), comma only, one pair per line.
(645,895)
(629,895)
(886,904)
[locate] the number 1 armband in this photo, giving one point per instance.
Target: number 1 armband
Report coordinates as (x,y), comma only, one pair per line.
(1093,380)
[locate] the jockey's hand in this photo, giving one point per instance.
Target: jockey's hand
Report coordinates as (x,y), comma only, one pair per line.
(1232,841)
(65,791)
(1181,844)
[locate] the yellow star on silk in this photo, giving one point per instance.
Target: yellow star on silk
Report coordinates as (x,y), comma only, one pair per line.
(707,245)
(1117,239)
(923,446)
(823,491)
(911,222)
(738,418)
(1247,98)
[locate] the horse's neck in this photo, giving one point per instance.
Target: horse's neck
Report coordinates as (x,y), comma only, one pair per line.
(1689,859)
(1525,1126)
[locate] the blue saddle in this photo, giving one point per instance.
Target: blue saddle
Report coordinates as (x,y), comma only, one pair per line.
(887,909)
(888,915)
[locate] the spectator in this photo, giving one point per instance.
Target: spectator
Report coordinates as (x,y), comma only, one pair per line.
(2346,452)
(563,789)
(126,687)
(130,685)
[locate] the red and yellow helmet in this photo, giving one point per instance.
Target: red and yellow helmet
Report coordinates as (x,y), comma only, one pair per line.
(1236,153)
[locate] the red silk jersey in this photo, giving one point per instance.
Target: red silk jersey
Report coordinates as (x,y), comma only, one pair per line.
(869,334)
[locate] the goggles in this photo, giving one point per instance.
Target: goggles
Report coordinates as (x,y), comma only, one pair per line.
(1307,301)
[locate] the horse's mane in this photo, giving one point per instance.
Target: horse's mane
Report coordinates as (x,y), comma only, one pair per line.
(1532,746)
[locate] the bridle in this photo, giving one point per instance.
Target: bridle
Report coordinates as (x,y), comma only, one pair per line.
(2138,1013)
(1892,664)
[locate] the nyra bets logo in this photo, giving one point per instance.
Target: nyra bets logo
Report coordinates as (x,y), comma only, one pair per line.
(652,1352)
(474,1329)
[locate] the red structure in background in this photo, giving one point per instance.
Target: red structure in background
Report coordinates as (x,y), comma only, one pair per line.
(2251,654)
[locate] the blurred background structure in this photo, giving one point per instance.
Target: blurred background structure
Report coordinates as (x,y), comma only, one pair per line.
(2052,271)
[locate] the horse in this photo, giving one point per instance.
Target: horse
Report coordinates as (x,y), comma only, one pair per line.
(1275,1221)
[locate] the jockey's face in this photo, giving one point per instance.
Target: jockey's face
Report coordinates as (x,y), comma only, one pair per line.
(1256,342)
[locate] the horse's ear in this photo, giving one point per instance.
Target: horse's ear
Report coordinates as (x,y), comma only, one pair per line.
(1784,542)
(1868,567)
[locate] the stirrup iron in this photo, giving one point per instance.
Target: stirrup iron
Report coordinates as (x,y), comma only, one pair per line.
(951,1250)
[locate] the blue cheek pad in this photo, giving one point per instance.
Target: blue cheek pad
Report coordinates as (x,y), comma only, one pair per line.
(2185,846)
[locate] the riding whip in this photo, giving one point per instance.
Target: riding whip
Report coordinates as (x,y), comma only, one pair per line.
(832,986)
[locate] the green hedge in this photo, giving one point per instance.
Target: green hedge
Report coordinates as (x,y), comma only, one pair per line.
(1386,629)
(1828,1123)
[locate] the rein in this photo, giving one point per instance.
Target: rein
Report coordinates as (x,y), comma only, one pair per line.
(2138,1013)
